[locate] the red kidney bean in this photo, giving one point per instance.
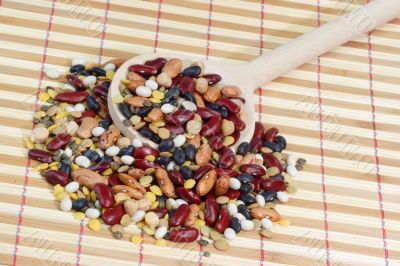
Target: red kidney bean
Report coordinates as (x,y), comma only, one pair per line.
(188,234)
(212,78)
(143,70)
(113,215)
(253,169)
(239,124)
(144,164)
(227,157)
(56,177)
(258,130)
(113,180)
(205,168)
(179,117)
(86,113)
(59,142)
(211,210)
(229,172)
(271,161)
(233,194)
(158,63)
(176,177)
(76,82)
(273,184)
(228,104)
(72,97)
(207,113)
(223,221)
(104,195)
(217,142)
(257,184)
(161,212)
(212,127)
(188,195)
(100,166)
(175,129)
(255,145)
(101,91)
(270,134)
(177,80)
(141,152)
(243,100)
(179,216)
(186,85)
(40,155)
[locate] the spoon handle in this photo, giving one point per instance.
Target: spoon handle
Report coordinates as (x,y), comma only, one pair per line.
(321,40)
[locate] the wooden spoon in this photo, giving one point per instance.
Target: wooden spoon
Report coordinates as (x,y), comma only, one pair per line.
(265,68)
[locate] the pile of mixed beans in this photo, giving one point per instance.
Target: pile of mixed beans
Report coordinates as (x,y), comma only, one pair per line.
(192,187)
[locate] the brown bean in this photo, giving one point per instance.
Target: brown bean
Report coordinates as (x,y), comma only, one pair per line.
(133,193)
(203,154)
(136,101)
(155,115)
(173,67)
(212,94)
(222,185)
(193,213)
(131,182)
(85,129)
(165,183)
(136,173)
(230,91)
(206,183)
(88,178)
(259,213)
(108,138)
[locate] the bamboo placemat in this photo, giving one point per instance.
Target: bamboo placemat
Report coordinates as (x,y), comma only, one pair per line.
(340,112)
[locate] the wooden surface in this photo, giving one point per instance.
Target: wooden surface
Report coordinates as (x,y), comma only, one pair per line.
(340,112)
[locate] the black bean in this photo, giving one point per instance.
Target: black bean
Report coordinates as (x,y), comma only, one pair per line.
(106,84)
(214,106)
(246,188)
(247,199)
(161,201)
(279,177)
(242,209)
(243,148)
(142,112)
(106,123)
(275,147)
(126,112)
(146,132)
(179,156)
(79,204)
(163,160)
(86,73)
(224,112)
(77,68)
(92,103)
(126,151)
(155,138)
(235,225)
(192,71)
(269,195)
(107,158)
(281,141)
(245,178)
(172,93)
(166,145)
(190,97)
(66,168)
(186,172)
(92,156)
(190,151)
(98,72)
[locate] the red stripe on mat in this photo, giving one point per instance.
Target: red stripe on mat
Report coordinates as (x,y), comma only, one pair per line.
(321,136)
(260,110)
(378,175)
(210,9)
(101,53)
(28,162)
(160,2)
